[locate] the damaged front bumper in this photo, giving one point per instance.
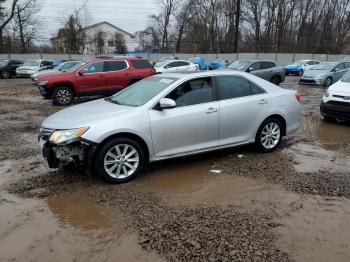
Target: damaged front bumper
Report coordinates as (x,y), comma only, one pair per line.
(79,151)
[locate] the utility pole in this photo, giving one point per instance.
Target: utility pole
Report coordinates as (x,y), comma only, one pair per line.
(238,14)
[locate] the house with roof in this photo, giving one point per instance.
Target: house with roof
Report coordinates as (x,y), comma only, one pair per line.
(96,39)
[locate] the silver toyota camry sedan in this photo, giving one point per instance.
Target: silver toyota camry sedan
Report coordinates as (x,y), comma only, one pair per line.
(167,116)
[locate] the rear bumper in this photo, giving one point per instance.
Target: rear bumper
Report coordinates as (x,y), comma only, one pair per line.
(333,111)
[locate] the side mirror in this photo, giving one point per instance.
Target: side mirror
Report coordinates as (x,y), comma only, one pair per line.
(250,69)
(80,73)
(60,69)
(166,67)
(166,103)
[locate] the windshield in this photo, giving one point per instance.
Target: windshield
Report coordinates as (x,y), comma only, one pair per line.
(72,69)
(240,65)
(31,63)
(3,63)
(142,91)
(161,64)
(324,66)
(346,78)
(300,62)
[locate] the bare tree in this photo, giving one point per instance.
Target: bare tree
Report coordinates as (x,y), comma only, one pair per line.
(74,35)
(119,43)
(99,42)
(26,25)
(6,17)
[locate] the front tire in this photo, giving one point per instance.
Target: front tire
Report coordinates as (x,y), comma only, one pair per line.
(5,75)
(328,82)
(62,96)
(120,160)
(269,135)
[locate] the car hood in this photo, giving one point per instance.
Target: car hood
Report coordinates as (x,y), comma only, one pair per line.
(85,114)
(340,87)
(311,72)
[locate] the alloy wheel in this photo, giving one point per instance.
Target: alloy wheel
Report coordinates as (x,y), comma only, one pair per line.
(270,135)
(5,75)
(121,161)
(63,96)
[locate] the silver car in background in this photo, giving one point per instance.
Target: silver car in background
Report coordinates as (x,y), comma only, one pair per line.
(267,70)
(325,74)
(167,116)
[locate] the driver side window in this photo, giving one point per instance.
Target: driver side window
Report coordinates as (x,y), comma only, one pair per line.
(93,68)
(195,91)
(255,66)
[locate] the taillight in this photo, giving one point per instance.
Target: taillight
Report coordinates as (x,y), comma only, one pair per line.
(299,96)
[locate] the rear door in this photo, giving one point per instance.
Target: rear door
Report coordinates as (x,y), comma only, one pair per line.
(171,67)
(183,66)
(142,68)
(91,79)
(243,106)
(116,75)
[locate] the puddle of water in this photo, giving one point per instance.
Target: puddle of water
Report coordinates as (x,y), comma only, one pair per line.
(332,136)
(33,230)
(312,158)
(192,184)
(77,211)
(320,231)
(184,177)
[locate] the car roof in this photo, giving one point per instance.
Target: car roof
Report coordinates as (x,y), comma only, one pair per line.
(255,60)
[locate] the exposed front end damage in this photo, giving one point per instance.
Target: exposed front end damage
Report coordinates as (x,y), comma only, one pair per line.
(78,151)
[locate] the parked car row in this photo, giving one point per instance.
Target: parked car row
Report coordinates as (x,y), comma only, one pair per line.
(100,76)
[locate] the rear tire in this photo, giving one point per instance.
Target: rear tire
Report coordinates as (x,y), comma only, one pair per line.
(276,80)
(120,160)
(269,135)
(62,96)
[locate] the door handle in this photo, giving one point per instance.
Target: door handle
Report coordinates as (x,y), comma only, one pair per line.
(211,110)
(263,101)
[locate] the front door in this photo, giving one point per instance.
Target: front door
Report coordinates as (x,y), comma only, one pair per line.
(91,79)
(192,125)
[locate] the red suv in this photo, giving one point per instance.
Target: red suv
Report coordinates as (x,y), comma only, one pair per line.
(95,77)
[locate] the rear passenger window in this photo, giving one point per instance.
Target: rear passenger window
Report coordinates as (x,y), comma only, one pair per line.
(181,63)
(115,66)
(141,64)
(267,65)
(236,86)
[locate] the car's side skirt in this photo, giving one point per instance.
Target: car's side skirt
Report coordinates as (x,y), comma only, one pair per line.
(200,151)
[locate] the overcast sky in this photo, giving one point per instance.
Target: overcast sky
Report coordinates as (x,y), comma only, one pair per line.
(130,15)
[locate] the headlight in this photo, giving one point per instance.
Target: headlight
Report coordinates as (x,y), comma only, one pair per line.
(326,93)
(61,136)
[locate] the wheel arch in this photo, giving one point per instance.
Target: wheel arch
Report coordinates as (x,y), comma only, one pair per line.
(65,84)
(281,119)
(130,135)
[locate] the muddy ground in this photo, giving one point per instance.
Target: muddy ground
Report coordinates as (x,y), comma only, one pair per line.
(291,205)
